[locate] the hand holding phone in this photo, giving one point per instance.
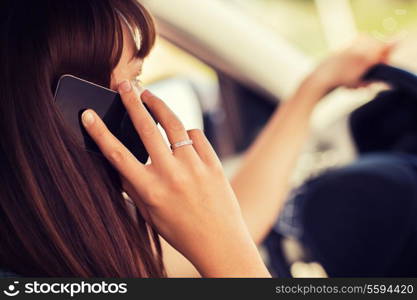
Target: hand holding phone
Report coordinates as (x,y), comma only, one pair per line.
(183,192)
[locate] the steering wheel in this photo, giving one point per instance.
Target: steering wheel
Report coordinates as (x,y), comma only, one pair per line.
(397,78)
(388,123)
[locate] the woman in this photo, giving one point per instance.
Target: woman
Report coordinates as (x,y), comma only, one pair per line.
(62,212)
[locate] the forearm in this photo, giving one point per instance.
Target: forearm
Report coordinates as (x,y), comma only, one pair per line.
(226,252)
(230,255)
(176,265)
(261,184)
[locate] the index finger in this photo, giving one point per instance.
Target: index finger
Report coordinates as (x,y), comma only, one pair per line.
(144,124)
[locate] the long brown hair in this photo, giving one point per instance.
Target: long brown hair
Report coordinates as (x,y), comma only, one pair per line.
(62,212)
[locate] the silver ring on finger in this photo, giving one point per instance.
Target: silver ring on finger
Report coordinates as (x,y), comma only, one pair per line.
(181,144)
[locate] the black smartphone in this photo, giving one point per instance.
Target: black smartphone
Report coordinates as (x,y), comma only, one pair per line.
(73,95)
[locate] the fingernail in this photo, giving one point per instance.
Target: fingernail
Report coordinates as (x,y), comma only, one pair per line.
(124,86)
(87,117)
